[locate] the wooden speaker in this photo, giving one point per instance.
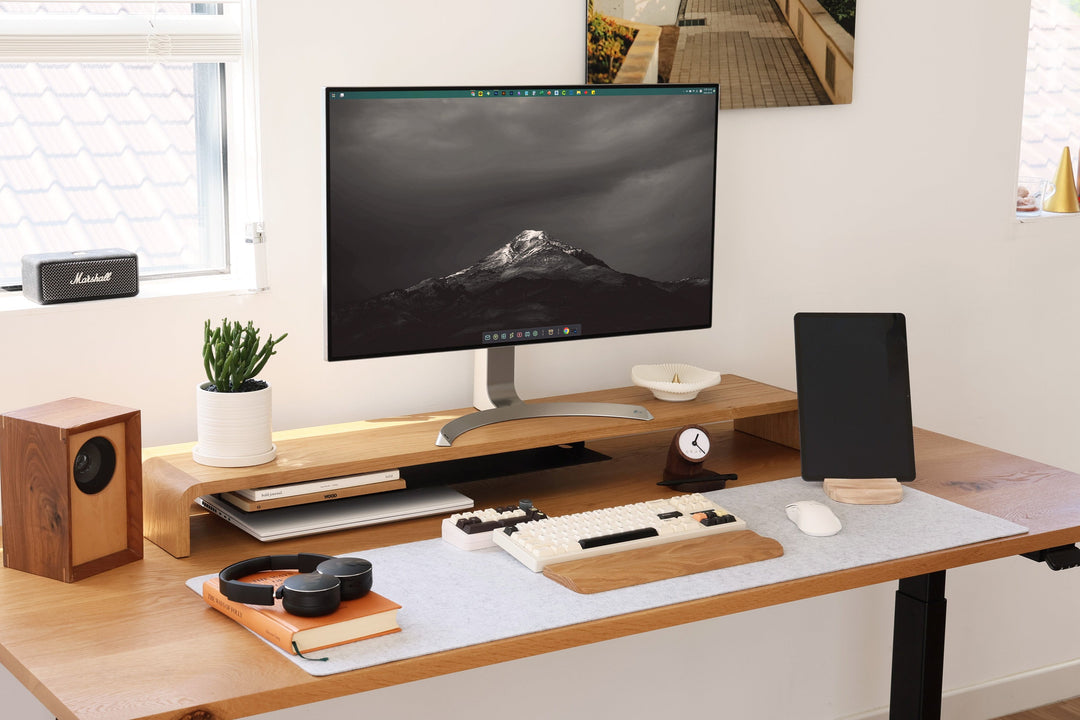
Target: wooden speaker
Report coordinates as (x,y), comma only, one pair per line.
(71,487)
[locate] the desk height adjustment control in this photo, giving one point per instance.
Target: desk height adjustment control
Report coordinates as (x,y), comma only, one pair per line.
(1062,557)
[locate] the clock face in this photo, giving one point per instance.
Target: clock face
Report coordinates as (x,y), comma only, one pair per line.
(693,444)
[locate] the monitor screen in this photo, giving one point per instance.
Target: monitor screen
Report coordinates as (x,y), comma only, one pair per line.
(476,217)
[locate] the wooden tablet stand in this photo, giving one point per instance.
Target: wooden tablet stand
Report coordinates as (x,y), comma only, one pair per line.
(864,491)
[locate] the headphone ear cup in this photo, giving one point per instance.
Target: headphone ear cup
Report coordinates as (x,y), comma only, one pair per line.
(353,573)
(310,594)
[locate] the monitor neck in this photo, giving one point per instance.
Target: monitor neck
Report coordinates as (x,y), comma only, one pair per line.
(493,378)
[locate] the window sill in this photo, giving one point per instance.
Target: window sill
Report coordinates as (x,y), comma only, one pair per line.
(150,290)
(1049,227)
(1044,216)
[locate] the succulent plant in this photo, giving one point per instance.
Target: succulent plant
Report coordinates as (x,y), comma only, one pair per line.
(232,355)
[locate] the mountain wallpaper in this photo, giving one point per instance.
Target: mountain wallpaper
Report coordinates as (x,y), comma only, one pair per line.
(453,217)
(532,281)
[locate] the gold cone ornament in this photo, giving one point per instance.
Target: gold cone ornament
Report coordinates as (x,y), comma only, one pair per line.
(1064,198)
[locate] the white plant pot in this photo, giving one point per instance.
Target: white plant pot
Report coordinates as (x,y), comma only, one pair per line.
(233,429)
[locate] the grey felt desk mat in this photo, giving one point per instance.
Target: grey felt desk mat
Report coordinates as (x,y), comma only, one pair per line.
(454,598)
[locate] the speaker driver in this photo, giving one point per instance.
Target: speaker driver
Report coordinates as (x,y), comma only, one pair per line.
(94,465)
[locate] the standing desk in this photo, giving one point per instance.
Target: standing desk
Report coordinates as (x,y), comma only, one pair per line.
(134,642)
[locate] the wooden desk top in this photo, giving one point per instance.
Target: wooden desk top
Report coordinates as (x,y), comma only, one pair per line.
(134,642)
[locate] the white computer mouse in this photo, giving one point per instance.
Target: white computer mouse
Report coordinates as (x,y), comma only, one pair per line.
(813,518)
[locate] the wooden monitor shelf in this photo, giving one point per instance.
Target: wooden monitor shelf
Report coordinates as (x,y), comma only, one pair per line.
(172,479)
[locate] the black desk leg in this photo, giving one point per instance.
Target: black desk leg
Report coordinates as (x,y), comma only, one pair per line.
(918,648)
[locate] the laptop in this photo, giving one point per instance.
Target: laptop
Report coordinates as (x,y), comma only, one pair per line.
(330,515)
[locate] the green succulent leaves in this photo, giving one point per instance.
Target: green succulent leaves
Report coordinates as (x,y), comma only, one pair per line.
(232,354)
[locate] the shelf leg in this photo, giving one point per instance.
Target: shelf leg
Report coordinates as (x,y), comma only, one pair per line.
(781,428)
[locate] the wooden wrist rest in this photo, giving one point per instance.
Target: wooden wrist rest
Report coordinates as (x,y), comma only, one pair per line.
(660,562)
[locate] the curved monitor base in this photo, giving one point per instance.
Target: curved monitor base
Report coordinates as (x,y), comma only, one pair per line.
(520,411)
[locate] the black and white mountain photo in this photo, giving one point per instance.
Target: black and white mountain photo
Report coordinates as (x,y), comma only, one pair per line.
(450,218)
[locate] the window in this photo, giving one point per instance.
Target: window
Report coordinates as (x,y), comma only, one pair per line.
(114,132)
(1051,120)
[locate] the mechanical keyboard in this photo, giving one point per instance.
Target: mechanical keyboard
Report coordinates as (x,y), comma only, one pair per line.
(560,538)
(473,529)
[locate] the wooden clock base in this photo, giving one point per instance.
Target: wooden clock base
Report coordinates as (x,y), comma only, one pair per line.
(701,481)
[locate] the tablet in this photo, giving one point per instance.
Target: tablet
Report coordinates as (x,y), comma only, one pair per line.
(854,396)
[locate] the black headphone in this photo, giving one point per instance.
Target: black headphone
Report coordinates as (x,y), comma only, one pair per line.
(318,589)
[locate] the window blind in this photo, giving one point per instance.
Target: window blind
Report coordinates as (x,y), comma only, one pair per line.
(139,36)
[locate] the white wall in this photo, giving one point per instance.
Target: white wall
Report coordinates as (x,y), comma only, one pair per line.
(899,201)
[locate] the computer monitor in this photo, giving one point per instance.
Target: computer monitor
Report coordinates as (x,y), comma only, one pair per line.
(488,218)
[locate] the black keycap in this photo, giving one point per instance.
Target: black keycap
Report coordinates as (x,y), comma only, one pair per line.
(721,520)
(617,538)
(478,527)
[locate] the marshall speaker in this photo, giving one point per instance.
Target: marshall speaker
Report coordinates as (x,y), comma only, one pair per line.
(71,276)
(71,488)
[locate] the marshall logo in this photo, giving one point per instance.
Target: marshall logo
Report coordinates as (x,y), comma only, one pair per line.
(81,279)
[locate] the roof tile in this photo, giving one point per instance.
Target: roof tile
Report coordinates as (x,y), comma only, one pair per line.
(1052,88)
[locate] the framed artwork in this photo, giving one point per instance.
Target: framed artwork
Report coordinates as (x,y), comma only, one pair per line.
(762,53)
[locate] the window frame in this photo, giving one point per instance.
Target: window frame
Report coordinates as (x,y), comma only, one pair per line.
(1051,224)
(221,48)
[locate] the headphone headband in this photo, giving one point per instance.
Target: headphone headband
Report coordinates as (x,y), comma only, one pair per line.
(254,593)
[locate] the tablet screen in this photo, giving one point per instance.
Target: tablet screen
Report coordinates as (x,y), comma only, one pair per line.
(854,396)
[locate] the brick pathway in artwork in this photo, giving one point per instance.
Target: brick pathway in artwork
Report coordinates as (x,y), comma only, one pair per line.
(747,47)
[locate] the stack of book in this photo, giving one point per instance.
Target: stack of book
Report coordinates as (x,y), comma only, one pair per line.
(315,506)
(278,496)
(366,617)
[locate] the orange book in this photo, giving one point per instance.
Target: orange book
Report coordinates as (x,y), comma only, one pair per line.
(366,617)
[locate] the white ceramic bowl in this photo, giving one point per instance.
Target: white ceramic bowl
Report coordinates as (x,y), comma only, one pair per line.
(674,382)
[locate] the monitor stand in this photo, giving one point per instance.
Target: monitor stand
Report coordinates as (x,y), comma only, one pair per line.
(497,400)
